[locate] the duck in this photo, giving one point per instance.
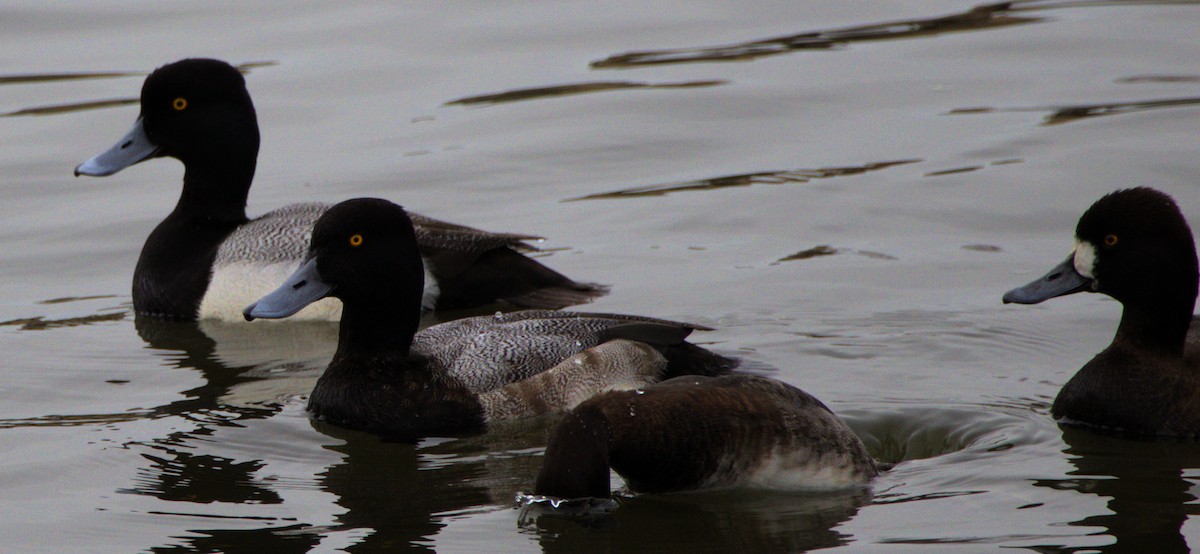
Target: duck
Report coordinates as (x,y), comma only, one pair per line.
(1135,246)
(461,376)
(693,432)
(207,259)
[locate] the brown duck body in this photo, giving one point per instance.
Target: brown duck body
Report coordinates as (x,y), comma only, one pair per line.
(1131,389)
(703,432)
(459,376)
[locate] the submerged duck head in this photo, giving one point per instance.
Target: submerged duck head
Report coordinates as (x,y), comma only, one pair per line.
(196,110)
(363,252)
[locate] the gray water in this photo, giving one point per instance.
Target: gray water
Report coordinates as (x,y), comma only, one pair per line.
(842,189)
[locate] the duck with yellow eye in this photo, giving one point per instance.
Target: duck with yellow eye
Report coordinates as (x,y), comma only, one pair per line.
(464,375)
(1135,246)
(207,259)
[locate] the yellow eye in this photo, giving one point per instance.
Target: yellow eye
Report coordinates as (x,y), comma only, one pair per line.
(179,104)
(1110,240)
(356,240)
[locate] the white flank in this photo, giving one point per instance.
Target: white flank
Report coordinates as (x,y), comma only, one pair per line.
(237,285)
(802,470)
(432,289)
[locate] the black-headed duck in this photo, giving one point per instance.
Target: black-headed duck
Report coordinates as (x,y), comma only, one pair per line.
(459,376)
(1135,246)
(208,260)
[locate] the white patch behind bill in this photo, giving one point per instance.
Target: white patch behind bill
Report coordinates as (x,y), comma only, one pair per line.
(1085,258)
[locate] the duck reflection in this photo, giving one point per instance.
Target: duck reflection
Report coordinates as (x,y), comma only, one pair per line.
(401,493)
(1147,482)
(202,479)
(281,540)
(243,379)
(394,495)
(230,358)
(728,521)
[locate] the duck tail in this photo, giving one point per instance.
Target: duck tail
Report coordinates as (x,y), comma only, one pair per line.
(688,359)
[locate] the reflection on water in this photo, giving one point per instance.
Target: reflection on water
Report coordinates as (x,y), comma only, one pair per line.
(392,494)
(39,323)
(385,492)
(68,107)
(745,180)
(1144,480)
(398,495)
(732,521)
(42,323)
(51,77)
(293,539)
(577,88)
(71,107)
(1160,79)
(826,250)
(1068,114)
(987,16)
(201,478)
(178,469)
(193,438)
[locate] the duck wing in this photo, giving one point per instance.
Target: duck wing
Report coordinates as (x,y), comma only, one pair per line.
(473,267)
(613,365)
(488,352)
(466,267)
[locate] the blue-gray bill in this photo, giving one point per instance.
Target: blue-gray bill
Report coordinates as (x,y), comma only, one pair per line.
(134,147)
(301,289)
(1060,281)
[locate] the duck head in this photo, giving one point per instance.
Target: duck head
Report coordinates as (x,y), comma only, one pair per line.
(196,110)
(363,252)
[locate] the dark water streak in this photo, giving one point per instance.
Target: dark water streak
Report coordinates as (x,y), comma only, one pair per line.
(988,16)
(744,180)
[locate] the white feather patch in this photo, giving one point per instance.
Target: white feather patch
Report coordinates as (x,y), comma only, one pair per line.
(1085,258)
(803,469)
(237,285)
(260,255)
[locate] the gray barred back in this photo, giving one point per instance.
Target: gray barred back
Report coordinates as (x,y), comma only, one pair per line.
(488,352)
(277,236)
(283,235)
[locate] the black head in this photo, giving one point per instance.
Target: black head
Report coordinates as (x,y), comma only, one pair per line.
(366,250)
(198,110)
(1137,247)
(1133,245)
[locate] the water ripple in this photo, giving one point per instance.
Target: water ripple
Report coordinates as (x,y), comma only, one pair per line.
(778,177)
(987,16)
(534,93)
(1076,112)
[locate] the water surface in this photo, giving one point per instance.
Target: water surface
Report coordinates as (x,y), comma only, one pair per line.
(842,189)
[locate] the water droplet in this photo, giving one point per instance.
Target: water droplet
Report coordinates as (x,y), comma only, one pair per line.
(639,391)
(499,315)
(578,361)
(578,343)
